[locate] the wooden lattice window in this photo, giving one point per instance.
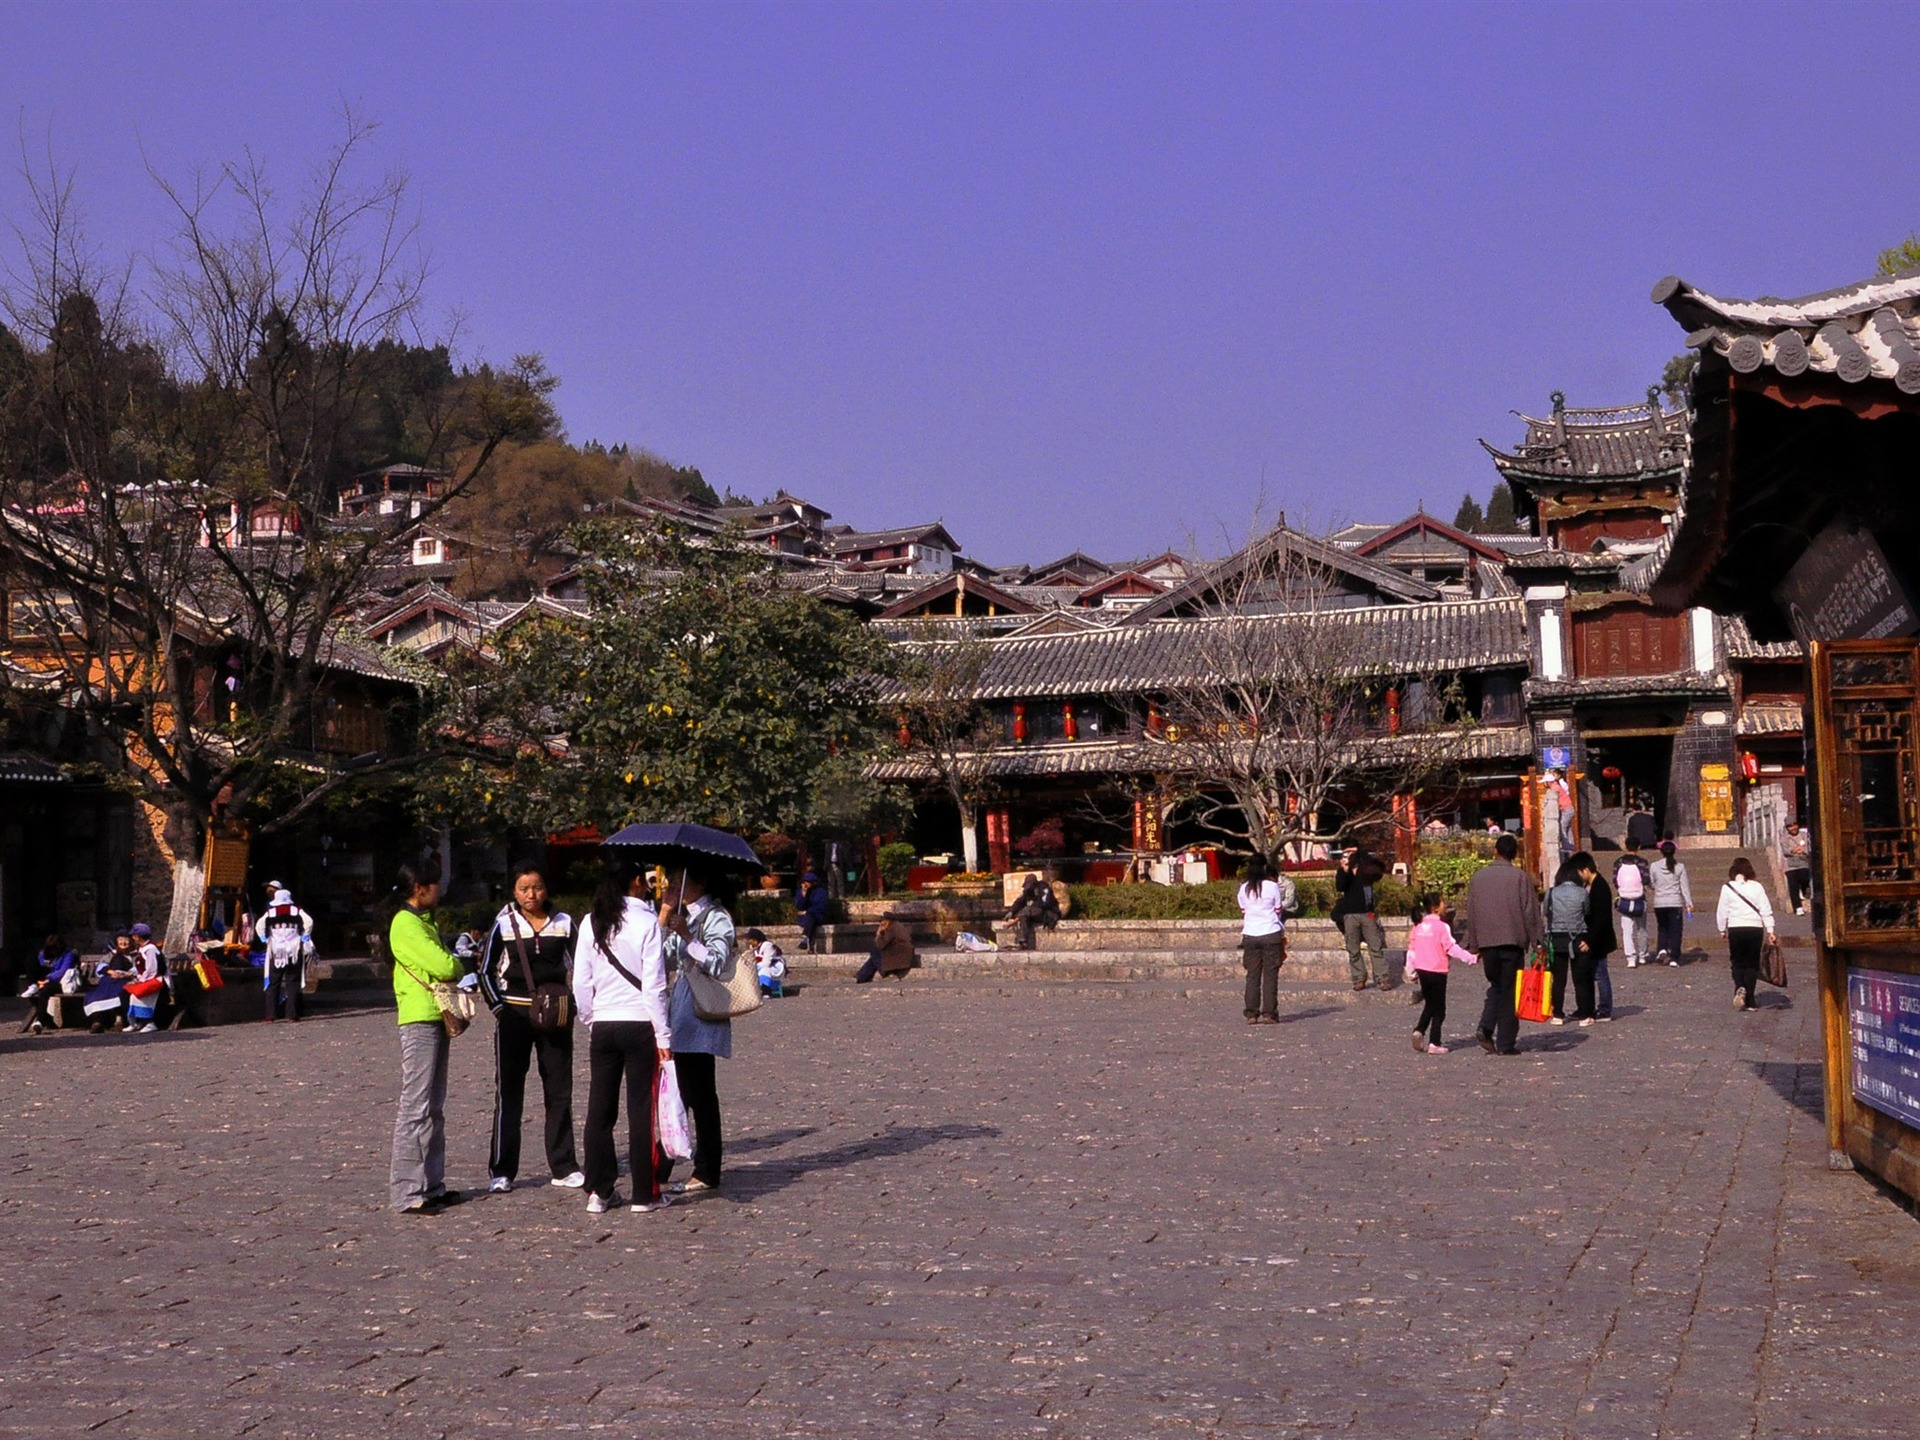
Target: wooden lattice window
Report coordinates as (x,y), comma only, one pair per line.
(1866,723)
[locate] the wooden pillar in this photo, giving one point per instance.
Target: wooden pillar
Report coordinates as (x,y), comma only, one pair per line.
(999,840)
(1406,831)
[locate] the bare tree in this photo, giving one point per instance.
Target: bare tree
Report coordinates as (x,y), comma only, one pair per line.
(947,728)
(1294,715)
(259,364)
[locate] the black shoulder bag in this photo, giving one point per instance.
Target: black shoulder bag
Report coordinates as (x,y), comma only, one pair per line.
(552,1005)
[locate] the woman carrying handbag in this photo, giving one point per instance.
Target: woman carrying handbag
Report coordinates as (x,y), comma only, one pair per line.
(699,935)
(1745,917)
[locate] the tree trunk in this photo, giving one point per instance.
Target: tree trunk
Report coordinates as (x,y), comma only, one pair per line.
(189,889)
(970,839)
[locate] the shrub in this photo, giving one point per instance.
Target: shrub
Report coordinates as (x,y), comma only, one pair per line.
(895,860)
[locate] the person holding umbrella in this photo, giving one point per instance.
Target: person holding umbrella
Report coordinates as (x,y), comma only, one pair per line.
(698,930)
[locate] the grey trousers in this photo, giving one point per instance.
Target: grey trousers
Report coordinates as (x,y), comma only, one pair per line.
(1365,928)
(420,1127)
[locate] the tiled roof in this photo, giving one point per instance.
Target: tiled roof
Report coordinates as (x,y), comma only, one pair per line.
(1624,442)
(1280,548)
(1142,756)
(1737,641)
(1132,658)
(1678,684)
(847,541)
(1768,720)
(1868,331)
(26,770)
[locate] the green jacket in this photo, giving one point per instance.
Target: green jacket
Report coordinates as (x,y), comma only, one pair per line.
(415,945)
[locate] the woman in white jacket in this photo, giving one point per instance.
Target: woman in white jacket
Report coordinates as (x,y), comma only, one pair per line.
(1745,917)
(620,988)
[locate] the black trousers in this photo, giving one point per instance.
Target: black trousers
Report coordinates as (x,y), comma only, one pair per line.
(1798,883)
(621,1051)
(1262,955)
(701,1093)
(1743,950)
(1498,1019)
(283,987)
(1561,955)
(1433,1004)
(515,1044)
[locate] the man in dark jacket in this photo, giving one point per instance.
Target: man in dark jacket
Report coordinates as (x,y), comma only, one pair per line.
(1035,905)
(1355,917)
(1503,922)
(811,906)
(1602,936)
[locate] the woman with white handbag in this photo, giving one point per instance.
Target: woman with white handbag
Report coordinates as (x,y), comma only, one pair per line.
(699,937)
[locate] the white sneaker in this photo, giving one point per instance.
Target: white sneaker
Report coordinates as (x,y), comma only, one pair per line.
(499,1185)
(1673,964)
(640,1208)
(599,1204)
(570,1182)
(148,1028)
(1799,909)
(1555,1020)
(35,1028)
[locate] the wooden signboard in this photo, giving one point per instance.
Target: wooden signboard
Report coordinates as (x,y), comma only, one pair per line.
(226,862)
(1843,589)
(1866,793)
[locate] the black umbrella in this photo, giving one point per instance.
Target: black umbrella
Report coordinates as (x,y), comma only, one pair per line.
(687,844)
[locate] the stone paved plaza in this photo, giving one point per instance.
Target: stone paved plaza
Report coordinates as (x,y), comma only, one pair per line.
(1110,1211)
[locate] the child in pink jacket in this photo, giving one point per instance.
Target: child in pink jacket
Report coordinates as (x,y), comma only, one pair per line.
(1428,950)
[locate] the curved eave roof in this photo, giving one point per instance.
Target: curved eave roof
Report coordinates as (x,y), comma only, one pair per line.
(1858,333)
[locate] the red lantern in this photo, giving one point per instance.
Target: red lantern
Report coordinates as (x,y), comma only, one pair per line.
(1749,766)
(1019,723)
(1612,772)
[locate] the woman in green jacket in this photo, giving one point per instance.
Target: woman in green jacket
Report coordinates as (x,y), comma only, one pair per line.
(418,1180)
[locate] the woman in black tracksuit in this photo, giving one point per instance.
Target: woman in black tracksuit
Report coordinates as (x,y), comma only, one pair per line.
(529,940)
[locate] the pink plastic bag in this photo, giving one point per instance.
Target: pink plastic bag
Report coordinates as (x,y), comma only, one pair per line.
(670,1116)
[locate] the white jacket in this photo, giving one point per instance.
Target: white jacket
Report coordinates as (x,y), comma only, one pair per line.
(603,993)
(1743,906)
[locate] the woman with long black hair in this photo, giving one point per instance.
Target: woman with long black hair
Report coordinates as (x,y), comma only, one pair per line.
(699,933)
(417,1181)
(530,945)
(620,987)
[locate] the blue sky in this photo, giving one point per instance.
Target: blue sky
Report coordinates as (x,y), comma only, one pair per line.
(1062,275)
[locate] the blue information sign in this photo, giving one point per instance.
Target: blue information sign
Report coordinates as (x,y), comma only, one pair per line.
(1556,757)
(1883,1020)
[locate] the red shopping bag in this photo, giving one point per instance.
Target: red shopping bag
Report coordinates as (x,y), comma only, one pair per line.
(209,973)
(1533,991)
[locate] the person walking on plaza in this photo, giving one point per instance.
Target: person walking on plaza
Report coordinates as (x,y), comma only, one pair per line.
(1632,878)
(1596,1002)
(417,1181)
(1353,914)
(1745,916)
(530,946)
(1564,910)
(1503,921)
(698,933)
(55,962)
(1796,862)
(288,933)
(1429,947)
(620,987)
(1672,903)
(1264,899)
(810,906)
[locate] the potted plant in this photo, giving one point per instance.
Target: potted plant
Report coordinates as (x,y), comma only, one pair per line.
(776,851)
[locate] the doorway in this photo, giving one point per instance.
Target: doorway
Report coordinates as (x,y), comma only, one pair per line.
(1630,774)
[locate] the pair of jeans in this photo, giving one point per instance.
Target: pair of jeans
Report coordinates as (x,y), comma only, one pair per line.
(1602,990)
(1433,1004)
(1743,952)
(1498,1020)
(1670,921)
(617,1051)
(419,1169)
(1563,954)
(1364,929)
(1586,970)
(516,1044)
(1262,956)
(700,1093)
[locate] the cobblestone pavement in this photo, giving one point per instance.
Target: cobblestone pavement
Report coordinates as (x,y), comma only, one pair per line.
(1096,1213)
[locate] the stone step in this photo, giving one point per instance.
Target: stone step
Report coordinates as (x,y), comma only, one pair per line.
(1319,966)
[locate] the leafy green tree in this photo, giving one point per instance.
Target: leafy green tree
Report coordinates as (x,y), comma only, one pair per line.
(1469,516)
(1500,518)
(1676,378)
(697,686)
(1896,258)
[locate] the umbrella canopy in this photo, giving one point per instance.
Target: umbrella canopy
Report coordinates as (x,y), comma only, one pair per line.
(679,844)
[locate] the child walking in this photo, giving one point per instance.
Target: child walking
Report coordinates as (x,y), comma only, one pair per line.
(1428,950)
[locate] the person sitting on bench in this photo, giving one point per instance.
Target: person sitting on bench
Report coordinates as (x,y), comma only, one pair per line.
(58,962)
(1037,905)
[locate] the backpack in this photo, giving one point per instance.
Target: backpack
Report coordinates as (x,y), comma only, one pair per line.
(1630,878)
(283,939)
